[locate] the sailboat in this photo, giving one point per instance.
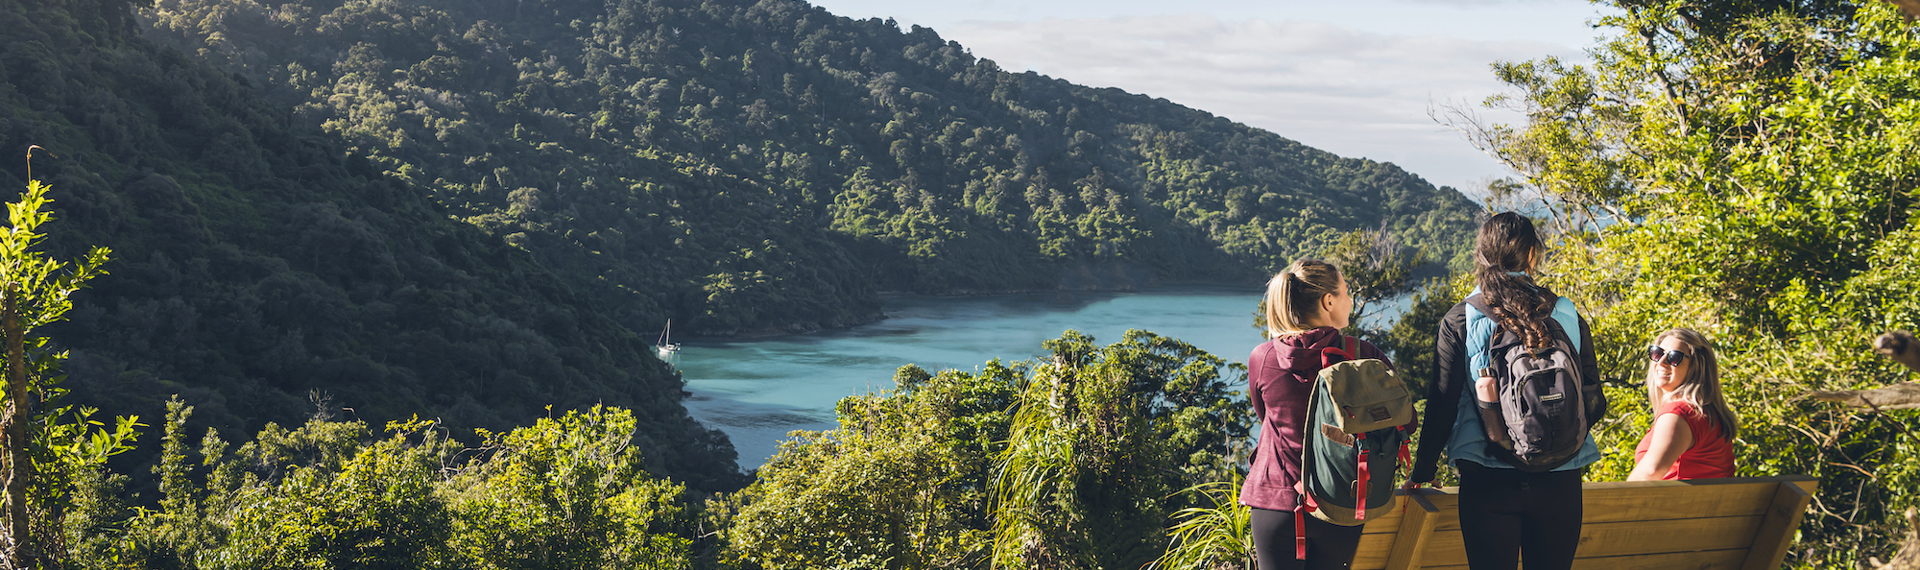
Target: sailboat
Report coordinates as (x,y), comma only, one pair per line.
(664,348)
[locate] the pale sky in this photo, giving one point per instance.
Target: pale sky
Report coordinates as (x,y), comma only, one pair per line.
(1352,77)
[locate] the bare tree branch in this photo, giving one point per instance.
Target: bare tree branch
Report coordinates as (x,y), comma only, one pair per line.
(1902,396)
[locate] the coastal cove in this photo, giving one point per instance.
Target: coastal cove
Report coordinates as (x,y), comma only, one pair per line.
(759,389)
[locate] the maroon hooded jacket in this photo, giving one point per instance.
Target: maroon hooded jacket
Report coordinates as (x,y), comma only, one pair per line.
(1280,376)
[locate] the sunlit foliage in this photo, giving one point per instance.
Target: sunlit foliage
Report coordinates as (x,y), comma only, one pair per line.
(1745,169)
(51,446)
(567,492)
(1070,461)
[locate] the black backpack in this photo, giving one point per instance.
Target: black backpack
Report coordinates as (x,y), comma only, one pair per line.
(1541,397)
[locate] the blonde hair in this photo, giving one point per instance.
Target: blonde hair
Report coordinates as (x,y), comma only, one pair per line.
(1293,296)
(1701,386)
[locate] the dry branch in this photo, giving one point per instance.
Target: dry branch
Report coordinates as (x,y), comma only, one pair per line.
(1911,7)
(1902,396)
(1909,557)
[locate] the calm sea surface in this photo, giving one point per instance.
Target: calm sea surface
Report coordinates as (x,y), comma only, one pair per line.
(756,390)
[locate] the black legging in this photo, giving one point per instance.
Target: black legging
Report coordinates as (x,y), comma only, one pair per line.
(1505,511)
(1329,546)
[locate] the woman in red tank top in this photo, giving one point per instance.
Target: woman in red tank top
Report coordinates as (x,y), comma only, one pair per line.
(1693,429)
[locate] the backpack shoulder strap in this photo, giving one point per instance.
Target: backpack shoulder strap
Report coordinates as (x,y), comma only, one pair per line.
(1479,303)
(1344,350)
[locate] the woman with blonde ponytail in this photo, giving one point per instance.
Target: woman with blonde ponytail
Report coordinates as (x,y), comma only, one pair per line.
(1307,305)
(1692,424)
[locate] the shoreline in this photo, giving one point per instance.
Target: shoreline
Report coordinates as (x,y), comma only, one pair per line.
(1163,286)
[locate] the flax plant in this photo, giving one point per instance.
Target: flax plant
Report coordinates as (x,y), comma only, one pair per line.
(1037,468)
(1102,437)
(1215,536)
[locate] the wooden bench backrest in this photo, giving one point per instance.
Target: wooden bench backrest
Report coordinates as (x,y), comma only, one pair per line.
(1742,523)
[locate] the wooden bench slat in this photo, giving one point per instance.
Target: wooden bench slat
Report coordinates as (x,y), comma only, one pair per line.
(1373,552)
(1776,532)
(1658,537)
(1608,485)
(1701,560)
(1658,503)
(1443,548)
(1617,540)
(1416,528)
(1704,560)
(1716,523)
(1677,502)
(1390,523)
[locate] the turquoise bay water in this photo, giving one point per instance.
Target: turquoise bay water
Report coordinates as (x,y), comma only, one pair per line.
(756,390)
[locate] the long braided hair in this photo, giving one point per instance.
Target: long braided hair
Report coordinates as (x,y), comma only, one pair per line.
(1502,252)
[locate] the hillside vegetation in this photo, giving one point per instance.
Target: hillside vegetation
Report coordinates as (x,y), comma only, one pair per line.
(464,210)
(258,266)
(757,166)
(1745,169)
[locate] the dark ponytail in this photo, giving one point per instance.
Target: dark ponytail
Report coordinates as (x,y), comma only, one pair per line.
(1503,249)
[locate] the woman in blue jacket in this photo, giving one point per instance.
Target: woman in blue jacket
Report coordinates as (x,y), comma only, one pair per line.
(1504,510)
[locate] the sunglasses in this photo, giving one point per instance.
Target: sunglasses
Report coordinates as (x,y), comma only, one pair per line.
(1667,357)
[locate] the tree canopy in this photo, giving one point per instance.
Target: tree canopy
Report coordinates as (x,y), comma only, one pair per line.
(464,210)
(259,266)
(751,166)
(1745,169)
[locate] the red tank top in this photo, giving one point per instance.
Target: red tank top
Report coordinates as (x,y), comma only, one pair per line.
(1711,455)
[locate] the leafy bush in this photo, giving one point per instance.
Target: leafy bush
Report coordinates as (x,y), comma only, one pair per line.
(1062,462)
(567,492)
(1742,169)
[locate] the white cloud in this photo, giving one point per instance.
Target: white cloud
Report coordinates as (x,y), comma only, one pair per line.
(1480,3)
(1348,91)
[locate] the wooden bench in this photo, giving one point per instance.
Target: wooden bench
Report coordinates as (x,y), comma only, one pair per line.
(1744,523)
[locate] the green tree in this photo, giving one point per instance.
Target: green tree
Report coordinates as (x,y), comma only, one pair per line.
(1739,168)
(567,492)
(901,484)
(1095,451)
(44,449)
(875,158)
(312,497)
(1377,267)
(1064,462)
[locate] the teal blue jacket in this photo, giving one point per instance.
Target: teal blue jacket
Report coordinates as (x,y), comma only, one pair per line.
(1459,349)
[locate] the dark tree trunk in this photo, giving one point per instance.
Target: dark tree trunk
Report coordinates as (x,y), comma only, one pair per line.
(14,426)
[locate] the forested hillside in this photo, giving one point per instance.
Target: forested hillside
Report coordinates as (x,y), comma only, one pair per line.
(464,210)
(256,262)
(743,166)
